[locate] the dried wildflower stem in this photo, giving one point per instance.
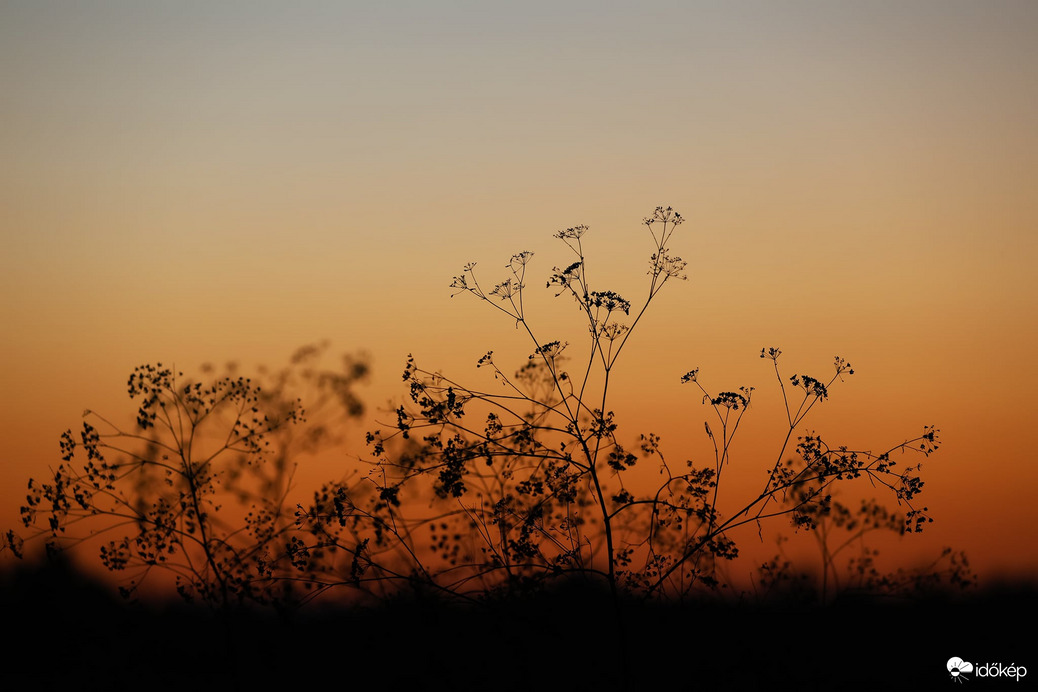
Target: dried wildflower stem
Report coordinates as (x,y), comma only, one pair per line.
(469,493)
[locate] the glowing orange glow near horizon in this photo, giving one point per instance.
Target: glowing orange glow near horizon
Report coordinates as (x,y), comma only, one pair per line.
(202,184)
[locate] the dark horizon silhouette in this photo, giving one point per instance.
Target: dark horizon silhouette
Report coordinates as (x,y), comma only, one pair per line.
(71,630)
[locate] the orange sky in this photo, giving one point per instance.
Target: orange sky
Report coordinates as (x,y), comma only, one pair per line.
(228,181)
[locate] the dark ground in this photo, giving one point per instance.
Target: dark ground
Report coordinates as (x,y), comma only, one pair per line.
(63,632)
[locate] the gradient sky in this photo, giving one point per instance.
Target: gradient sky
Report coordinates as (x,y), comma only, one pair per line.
(197,182)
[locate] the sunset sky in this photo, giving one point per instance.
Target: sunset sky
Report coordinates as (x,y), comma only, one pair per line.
(192,182)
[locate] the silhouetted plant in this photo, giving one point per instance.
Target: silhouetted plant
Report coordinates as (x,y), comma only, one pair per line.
(531,483)
(471,493)
(197,488)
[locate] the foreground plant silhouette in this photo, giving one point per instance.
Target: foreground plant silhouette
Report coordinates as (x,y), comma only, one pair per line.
(534,485)
(471,493)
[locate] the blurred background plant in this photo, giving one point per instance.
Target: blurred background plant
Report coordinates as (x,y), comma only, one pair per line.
(196,488)
(849,565)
